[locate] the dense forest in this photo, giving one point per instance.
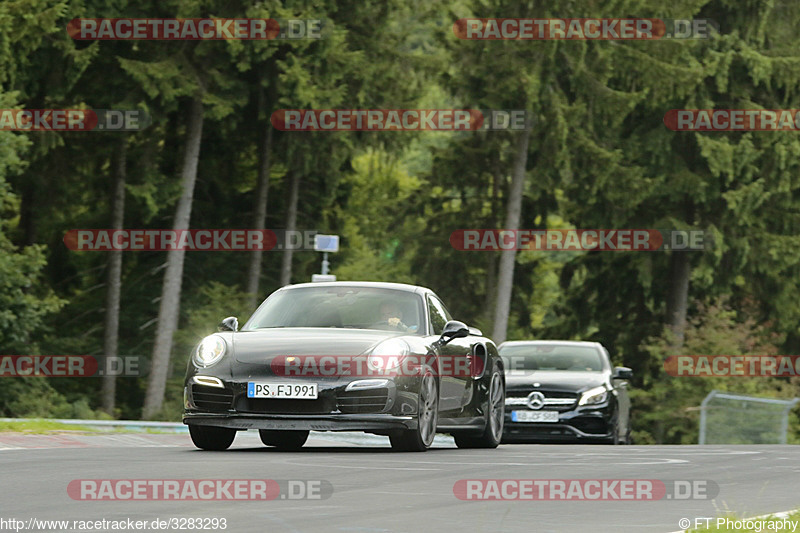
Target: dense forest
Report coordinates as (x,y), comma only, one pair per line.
(597,155)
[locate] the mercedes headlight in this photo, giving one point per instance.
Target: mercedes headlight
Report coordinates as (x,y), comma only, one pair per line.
(594,396)
(210,350)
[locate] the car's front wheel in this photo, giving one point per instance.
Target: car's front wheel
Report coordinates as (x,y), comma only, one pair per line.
(212,438)
(614,439)
(495,416)
(285,440)
(420,439)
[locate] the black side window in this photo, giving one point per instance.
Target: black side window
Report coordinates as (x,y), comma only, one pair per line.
(438,313)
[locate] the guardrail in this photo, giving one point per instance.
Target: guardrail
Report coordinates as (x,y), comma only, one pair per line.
(177,427)
(109,425)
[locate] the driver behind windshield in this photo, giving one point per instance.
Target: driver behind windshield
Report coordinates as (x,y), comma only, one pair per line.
(393,316)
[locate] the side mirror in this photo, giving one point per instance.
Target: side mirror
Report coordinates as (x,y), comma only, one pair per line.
(622,372)
(453,330)
(229,324)
(475,332)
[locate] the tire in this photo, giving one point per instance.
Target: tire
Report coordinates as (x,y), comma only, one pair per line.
(283,440)
(211,438)
(628,438)
(495,417)
(420,439)
(614,439)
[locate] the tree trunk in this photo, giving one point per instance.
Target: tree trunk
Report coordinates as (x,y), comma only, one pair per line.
(114,276)
(171,290)
(291,224)
(505,275)
(27,209)
(491,265)
(260,216)
(491,284)
(678,298)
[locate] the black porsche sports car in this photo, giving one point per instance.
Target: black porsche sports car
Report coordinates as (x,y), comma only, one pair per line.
(382,358)
(565,391)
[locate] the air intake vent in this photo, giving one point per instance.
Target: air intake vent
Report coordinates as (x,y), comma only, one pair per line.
(363,401)
(211,398)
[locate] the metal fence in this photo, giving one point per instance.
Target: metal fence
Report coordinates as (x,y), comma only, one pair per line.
(737,419)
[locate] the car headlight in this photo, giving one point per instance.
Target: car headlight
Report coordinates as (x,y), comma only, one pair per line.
(210,350)
(391,347)
(382,354)
(594,396)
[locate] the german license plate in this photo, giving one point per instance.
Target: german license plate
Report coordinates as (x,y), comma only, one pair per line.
(282,391)
(534,416)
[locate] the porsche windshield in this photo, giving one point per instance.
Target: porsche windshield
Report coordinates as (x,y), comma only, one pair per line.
(341,307)
(560,357)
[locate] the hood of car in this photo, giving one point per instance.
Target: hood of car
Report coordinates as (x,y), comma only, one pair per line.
(259,346)
(554,380)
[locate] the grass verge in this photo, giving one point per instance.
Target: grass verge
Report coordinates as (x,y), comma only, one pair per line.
(41,426)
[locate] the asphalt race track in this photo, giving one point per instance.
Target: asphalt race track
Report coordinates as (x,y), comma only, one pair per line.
(375,489)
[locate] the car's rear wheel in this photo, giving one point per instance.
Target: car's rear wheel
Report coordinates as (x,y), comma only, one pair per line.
(495,416)
(211,438)
(285,440)
(420,439)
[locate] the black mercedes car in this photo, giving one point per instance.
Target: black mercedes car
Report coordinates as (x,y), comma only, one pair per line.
(382,358)
(564,391)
